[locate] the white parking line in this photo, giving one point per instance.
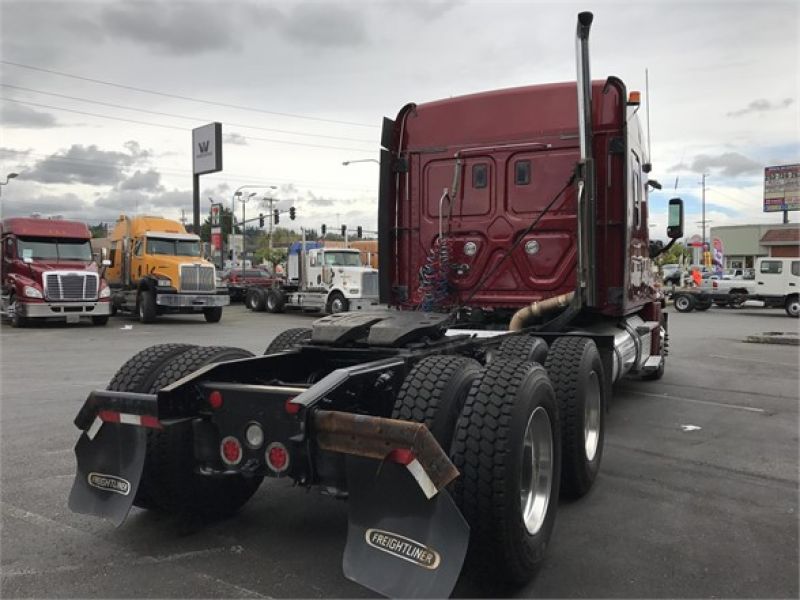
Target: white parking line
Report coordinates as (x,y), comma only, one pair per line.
(698,401)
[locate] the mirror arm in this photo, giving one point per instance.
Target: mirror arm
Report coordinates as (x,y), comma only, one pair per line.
(663,249)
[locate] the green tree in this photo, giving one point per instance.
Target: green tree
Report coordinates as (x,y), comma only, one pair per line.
(674,255)
(99,231)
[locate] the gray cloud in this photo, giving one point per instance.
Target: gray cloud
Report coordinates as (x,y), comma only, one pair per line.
(13,154)
(178,28)
(729,164)
(143,180)
(761,105)
(326,25)
(234,138)
(18,115)
(86,164)
(69,205)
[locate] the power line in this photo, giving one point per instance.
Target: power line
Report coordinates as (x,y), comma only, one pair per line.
(174,116)
(179,97)
(246,137)
(160,169)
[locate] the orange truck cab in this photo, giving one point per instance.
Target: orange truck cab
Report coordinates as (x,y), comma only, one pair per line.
(157,268)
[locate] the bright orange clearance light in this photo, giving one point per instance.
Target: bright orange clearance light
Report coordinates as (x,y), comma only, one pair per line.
(634,98)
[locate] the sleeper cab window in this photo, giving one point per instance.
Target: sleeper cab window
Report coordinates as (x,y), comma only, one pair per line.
(522,172)
(480,175)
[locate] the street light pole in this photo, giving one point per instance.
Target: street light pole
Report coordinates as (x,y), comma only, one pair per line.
(360,160)
(238,193)
(9,177)
(244,200)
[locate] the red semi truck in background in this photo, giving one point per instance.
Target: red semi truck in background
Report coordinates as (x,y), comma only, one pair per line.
(48,272)
(515,258)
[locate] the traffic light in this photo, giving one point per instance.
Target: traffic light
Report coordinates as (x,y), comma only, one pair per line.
(323,229)
(275,216)
(261,220)
(344,230)
(359,232)
(291,213)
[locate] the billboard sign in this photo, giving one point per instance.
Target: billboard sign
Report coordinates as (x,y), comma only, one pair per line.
(782,188)
(207,149)
(216,238)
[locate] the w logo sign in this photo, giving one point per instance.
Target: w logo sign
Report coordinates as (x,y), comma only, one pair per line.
(204,146)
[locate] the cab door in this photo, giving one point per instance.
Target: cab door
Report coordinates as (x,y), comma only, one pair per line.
(138,255)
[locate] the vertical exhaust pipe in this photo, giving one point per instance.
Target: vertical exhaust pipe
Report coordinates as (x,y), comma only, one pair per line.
(587,214)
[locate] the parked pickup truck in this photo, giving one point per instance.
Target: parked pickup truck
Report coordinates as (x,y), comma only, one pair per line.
(776,285)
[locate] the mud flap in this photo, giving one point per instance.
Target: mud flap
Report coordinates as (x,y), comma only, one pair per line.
(400,543)
(109,470)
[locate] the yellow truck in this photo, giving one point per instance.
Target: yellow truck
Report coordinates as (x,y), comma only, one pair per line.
(157,268)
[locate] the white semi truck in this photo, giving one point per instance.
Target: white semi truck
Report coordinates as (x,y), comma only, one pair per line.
(318,278)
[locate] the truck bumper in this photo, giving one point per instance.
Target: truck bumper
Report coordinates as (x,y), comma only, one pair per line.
(42,310)
(192,300)
(363,303)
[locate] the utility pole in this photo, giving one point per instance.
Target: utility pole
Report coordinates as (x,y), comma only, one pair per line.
(271,224)
(703,182)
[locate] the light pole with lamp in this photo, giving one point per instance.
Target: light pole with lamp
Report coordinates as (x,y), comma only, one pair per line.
(9,177)
(360,160)
(238,192)
(244,199)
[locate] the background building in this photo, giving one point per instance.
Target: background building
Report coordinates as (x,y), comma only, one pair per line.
(742,244)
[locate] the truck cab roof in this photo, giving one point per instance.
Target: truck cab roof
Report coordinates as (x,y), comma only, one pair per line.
(51,228)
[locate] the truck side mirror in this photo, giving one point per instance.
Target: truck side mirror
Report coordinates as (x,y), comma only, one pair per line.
(675,219)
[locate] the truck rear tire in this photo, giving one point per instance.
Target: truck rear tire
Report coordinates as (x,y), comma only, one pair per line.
(525,347)
(288,339)
(256,299)
(169,482)
(146,304)
(702,305)
(337,303)
(140,370)
(275,301)
(213,314)
(433,393)
(576,371)
(792,306)
(684,303)
(507,445)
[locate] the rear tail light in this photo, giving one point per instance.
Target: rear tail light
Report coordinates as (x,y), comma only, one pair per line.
(215,399)
(714,283)
(291,408)
(231,451)
(277,457)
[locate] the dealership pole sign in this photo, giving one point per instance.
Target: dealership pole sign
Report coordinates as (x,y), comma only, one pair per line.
(782,188)
(206,158)
(207,149)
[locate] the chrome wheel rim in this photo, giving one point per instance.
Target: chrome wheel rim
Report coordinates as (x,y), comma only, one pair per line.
(537,470)
(794,308)
(681,302)
(591,416)
(337,305)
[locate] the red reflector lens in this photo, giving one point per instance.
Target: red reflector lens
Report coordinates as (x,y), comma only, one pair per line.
(291,408)
(277,457)
(402,456)
(109,416)
(231,451)
(215,399)
(148,421)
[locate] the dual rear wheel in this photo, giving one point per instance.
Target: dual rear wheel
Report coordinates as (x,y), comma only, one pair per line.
(520,433)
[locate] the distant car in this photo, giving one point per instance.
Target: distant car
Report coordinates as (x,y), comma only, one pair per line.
(238,280)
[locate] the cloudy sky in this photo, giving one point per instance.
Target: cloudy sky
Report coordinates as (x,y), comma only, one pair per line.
(98,98)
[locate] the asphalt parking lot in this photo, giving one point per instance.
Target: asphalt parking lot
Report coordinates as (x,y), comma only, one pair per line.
(697,497)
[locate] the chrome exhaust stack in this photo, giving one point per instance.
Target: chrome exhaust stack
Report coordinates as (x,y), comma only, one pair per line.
(586,179)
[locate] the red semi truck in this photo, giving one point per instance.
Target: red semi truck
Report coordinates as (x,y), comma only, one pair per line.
(48,272)
(515,257)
